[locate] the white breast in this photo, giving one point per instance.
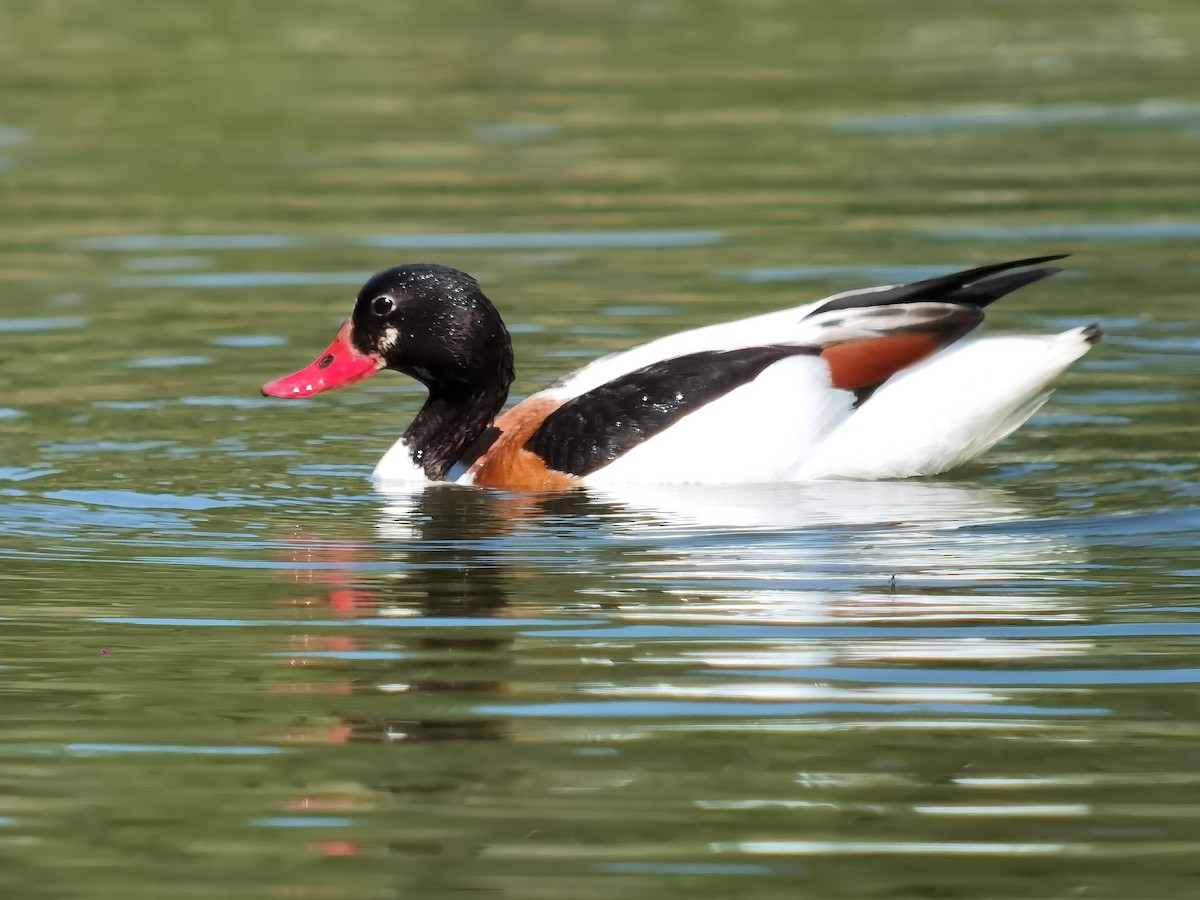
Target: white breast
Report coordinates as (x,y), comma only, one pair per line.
(397,468)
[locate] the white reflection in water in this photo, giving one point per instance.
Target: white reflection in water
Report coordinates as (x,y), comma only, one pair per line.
(1045,810)
(772,507)
(1049,115)
(795,690)
(850,555)
(827,553)
(1076,780)
(899,848)
(948,650)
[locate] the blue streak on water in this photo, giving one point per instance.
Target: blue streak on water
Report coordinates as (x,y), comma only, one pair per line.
(623,311)
(514,132)
(1163,524)
(671,709)
(1189,345)
(497,240)
(251,340)
(137,500)
(241,279)
(1148,466)
(180,749)
(128,404)
(109,446)
(303,822)
(1118,398)
(879,274)
(23,473)
(1054,115)
(593,330)
(1051,419)
(7,412)
(166,263)
(344,470)
(230,402)
(56,323)
(13,135)
(660,868)
(575,353)
(168,362)
(42,519)
(7,820)
(1113,231)
(1049,677)
(157,242)
(611,240)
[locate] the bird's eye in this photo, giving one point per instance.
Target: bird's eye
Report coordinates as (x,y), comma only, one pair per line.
(382,306)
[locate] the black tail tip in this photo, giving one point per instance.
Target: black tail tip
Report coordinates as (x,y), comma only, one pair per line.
(1093,333)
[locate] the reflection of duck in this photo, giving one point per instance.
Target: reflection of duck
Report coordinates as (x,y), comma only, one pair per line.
(737,538)
(642,619)
(863,384)
(833,593)
(822,505)
(444,571)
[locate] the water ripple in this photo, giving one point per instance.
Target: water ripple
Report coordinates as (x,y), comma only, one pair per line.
(172,749)
(1050,115)
(57,323)
(1128,231)
(671,709)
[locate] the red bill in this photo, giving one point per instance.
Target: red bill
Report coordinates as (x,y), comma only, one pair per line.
(341,364)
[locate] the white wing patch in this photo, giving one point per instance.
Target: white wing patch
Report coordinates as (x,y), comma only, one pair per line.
(753,434)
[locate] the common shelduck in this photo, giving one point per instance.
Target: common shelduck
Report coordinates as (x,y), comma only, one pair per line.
(865,384)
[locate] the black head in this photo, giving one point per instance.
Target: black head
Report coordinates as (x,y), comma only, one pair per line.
(434,324)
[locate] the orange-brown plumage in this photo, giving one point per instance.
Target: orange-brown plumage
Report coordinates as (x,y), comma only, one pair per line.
(866,363)
(507,464)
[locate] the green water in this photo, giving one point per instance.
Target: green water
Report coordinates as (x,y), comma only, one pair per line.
(229,669)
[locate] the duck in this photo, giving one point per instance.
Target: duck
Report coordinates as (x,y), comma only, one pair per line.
(871,383)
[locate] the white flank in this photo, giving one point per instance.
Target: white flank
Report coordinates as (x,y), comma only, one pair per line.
(753,434)
(946,410)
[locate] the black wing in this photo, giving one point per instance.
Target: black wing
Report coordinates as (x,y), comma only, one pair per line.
(593,429)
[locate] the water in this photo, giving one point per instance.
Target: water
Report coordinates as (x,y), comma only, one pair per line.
(229,668)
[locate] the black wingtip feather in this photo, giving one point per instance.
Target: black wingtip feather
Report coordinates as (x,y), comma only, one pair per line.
(988,291)
(972,287)
(937,288)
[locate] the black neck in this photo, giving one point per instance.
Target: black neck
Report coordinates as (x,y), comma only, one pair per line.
(449,422)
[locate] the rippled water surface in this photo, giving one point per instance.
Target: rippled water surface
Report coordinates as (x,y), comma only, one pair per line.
(229,668)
